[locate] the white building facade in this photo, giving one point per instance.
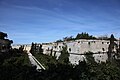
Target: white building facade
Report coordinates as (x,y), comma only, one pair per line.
(76,49)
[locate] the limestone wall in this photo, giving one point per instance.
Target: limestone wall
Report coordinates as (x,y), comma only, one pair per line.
(27,47)
(76,49)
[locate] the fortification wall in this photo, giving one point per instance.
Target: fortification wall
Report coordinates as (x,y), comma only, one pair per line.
(80,46)
(76,49)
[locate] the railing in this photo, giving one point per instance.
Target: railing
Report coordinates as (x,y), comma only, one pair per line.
(35,62)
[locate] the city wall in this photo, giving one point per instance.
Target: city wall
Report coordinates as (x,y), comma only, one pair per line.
(76,49)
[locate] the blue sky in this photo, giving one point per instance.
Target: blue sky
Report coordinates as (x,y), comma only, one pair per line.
(28,21)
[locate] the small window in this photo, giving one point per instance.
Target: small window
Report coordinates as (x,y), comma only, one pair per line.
(107,42)
(89,43)
(55,46)
(59,46)
(102,42)
(99,61)
(103,49)
(93,41)
(78,41)
(48,48)
(70,49)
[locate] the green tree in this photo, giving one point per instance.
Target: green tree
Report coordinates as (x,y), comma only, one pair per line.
(59,41)
(84,36)
(89,58)
(111,47)
(32,50)
(119,47)
(68,38)
(40,49)
(64,57)
(3,35)
(21,49)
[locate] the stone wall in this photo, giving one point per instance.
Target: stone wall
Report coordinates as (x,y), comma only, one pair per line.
(76,49)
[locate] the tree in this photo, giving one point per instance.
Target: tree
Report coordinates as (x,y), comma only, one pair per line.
(59,40)
(3,35)
(5,44)
(21,49)
(84,36)
(111,47)
(32,50)
(40,49)
(89,58)
(68,38)
(64,57)
(119,47)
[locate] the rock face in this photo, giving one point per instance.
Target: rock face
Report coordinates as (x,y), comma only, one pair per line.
(76,49)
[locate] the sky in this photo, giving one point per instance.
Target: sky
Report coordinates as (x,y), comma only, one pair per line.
(27,21)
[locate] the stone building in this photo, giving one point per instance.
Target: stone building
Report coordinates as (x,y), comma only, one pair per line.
(27,47)
(76,49)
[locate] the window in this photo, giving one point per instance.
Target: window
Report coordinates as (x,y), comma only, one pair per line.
(107,42)
(99,61)
(48,49)
(70,49)
(93,41)
(78,41)
(59,46)
(89,43)
(102,42)
(55,46)
(103,49)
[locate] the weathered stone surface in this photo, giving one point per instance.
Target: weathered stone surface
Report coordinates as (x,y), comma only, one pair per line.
(76,49)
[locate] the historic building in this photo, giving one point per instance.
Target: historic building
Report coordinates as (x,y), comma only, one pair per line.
(76,49)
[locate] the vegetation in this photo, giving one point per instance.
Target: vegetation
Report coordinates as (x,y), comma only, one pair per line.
(68,38)
(59,40)
(3,35)
(15,65)
(64,57)
(111,52)
(49,59)
(36,49)
(45,60)
(84,36)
